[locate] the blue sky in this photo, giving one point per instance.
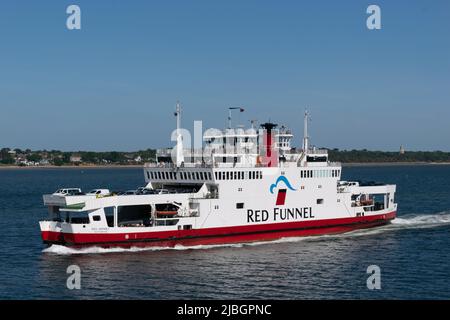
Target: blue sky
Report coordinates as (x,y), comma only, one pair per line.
(113,84)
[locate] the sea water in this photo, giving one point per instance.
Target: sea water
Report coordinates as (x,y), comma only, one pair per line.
(413,252)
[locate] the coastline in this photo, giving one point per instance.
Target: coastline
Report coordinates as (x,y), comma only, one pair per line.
(117,166)
(385,164)
(131,166)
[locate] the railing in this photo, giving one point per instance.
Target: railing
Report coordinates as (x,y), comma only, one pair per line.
(317,151)
(170,165)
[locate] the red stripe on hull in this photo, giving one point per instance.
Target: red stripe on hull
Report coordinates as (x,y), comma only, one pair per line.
(223,235)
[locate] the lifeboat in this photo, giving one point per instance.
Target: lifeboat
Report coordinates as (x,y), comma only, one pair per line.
(166,213)
(367,202)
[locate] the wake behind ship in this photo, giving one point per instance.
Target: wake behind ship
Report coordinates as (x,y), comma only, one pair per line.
(240,186)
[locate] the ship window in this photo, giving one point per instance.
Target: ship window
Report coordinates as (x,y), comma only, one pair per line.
(240,205)
(228,175)
(235,175)
(77,217)
(301,174)
(109,214)
(133,216)
(148,175)
(215,175)
(96,218)
(189,176)
(209,175)
(187,227)
(319,201)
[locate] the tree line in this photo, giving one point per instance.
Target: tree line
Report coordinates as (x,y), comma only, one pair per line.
(367,156)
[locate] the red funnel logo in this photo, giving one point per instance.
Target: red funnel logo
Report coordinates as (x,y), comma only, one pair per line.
(281,197)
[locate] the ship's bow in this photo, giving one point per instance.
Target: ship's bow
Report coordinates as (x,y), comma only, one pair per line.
(51,232)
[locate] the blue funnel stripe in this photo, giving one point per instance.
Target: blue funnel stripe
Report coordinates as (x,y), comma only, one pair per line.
(281,179)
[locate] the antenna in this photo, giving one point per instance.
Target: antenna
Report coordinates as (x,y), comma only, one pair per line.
(305,132)
(180,156)
(229,114)
(178,115)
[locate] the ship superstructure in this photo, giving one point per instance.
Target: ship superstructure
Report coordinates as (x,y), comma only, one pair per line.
(240,185)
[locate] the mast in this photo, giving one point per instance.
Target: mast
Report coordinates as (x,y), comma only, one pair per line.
(179,154)
(305,132)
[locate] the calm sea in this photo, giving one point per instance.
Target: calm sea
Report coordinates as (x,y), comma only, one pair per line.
(413,253)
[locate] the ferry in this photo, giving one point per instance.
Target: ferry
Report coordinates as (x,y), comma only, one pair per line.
(241,185)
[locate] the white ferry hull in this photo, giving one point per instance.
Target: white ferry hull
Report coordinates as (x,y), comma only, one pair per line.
(221,235)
